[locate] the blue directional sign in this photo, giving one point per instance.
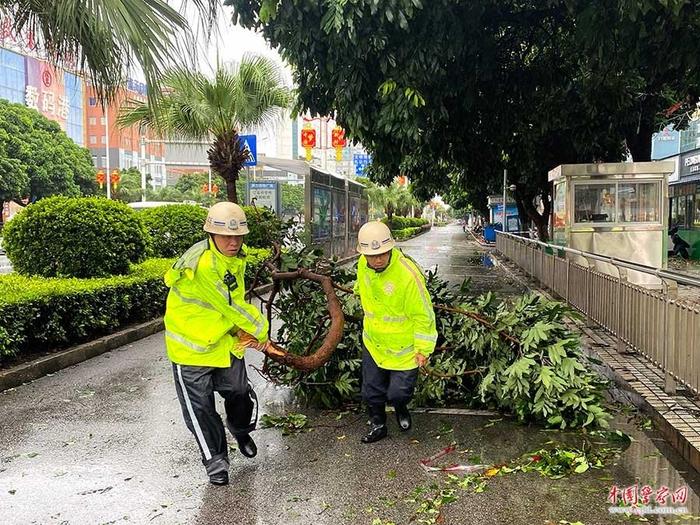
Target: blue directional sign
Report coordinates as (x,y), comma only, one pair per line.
(250,143)
(361,161)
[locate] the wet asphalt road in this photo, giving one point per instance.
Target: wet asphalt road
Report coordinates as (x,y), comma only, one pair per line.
(104,442)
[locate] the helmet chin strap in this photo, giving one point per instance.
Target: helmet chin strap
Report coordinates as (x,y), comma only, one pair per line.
(213,241)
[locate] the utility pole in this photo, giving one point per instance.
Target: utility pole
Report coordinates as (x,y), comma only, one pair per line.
(143,169)
(505,175)
(109,176)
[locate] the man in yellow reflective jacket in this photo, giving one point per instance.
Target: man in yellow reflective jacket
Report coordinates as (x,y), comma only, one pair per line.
(398,328)
(208,325)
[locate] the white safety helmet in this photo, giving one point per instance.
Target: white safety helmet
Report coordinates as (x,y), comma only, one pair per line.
(374,238)
(226,218)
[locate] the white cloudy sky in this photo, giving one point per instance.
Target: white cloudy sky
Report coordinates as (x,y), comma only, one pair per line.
(228,43)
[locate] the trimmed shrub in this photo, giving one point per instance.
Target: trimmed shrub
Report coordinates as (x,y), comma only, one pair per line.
(39,314)
(173,228)
(255,257)
(43,314)
(401,223)
(75,237)
(265,227)
(406,233)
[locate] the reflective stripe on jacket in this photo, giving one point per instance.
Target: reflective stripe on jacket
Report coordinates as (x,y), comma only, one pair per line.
(399,319)
(206,306)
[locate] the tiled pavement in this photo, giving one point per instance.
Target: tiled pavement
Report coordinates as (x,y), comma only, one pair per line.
(641,383)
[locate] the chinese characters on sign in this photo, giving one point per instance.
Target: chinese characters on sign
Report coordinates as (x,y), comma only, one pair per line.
(266,195)
(361,161)
(45,102)
(639,499)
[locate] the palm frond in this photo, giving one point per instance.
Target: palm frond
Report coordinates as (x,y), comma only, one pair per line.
(109,39)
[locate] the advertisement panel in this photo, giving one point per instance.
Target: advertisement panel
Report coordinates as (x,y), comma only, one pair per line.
(321,203)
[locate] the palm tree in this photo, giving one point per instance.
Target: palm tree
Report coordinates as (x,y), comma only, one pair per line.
(194,107)
(392,198)
(109,37)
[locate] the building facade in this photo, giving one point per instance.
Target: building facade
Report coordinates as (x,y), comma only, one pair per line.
(112,147)
(55,93)
(682,147)
(64,97)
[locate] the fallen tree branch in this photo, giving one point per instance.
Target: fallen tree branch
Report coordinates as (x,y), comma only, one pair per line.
(307,363)
(432,373)
(472,315)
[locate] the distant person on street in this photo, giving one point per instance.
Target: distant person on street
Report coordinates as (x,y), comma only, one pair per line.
(398,328)
(208,325)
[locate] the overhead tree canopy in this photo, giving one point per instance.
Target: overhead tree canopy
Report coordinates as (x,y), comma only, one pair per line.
(453,92)
(38,159)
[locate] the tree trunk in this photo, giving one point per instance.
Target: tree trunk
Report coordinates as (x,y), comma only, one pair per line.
(541,220)
(231,193)
(227,157)
(639,140)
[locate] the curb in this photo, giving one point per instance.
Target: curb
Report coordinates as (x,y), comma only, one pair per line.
(31,370)
(52,363)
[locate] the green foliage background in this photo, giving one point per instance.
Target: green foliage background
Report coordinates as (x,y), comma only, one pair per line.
(38,159)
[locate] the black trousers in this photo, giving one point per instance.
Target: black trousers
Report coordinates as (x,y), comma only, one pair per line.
(195,387)
(380,386)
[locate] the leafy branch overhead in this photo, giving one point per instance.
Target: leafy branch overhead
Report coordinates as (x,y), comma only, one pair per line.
(451,93)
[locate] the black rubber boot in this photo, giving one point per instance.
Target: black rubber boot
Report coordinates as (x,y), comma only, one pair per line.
(377,424)
(403,417)
(246,445)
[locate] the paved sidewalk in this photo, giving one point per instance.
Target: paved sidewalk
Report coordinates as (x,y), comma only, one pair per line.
(676,416)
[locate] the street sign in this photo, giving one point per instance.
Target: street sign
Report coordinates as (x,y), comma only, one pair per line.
(361,161)
(266,195)
(249,142)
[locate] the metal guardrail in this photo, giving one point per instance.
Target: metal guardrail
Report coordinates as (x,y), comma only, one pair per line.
(652,322)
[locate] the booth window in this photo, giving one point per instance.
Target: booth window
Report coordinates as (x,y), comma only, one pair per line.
(696,217)
(619,202)
(638,201)
(594,203)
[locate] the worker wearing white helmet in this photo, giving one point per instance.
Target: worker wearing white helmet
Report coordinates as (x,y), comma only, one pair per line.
(208,325)
(398,327)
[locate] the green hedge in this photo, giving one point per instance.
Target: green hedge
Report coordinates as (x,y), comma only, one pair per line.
(254,258)
(401,223)
(75,237)
(406,233)
(173,228)
(40,314)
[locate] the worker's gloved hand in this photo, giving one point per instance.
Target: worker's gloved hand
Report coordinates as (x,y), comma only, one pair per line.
(421,360)
(248,341)
(269,348)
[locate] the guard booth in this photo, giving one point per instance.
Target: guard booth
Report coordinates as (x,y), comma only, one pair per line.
(616,210)
(335,209)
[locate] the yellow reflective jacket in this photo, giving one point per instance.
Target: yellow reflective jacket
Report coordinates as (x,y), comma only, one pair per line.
(206,306)
(399,318)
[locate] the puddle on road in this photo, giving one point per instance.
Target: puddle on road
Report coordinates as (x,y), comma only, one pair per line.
(480,259)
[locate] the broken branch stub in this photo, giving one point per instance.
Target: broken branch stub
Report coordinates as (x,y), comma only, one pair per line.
(307,363)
